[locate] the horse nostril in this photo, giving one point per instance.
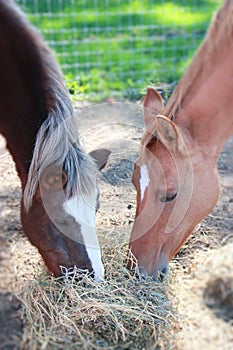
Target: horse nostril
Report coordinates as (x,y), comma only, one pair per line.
(163,273)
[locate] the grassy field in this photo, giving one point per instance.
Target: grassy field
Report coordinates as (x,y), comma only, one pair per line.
(116,48)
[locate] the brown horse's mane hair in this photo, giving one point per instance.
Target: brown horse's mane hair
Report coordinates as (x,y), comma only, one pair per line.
(219,35)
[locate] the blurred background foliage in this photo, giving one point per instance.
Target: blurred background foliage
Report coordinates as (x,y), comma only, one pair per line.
(115,48)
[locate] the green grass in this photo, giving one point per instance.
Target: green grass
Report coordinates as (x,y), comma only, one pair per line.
(115,47)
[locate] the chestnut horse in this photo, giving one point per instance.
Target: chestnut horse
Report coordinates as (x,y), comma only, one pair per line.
(58,177)
(175,175)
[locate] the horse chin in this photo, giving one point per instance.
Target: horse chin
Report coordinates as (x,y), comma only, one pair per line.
(60,264)
(157,274)
(66,262)
(158,271)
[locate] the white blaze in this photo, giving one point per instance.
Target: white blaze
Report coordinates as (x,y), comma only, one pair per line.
(144,180)
(82,209)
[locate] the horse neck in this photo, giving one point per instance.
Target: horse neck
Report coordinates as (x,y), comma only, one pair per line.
(207,110)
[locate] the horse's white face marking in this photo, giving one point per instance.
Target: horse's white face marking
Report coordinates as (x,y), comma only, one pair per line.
(83,208)
(144,180)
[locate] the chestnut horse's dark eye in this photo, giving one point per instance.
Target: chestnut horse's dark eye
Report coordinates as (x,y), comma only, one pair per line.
(168,197)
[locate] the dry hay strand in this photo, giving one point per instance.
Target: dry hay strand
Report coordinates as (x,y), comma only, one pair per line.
(123,312)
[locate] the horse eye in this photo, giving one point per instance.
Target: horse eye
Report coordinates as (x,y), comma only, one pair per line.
(169,197)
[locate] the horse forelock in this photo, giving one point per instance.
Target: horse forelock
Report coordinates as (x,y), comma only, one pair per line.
(58,144)
(219,35)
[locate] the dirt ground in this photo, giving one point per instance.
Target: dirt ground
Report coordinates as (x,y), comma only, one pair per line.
(201,277)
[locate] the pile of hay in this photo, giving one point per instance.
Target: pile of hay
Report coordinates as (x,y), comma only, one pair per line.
(123,312)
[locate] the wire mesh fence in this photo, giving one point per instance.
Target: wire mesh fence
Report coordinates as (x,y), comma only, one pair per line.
(117,47)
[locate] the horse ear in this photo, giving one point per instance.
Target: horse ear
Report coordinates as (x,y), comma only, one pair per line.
(100,156)
(169,134)
(152,105)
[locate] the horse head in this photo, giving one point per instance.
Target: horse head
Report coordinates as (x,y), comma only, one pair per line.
(176,185)
(63,228)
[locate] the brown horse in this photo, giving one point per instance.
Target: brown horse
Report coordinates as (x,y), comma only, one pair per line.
(58,177)
(176,176)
